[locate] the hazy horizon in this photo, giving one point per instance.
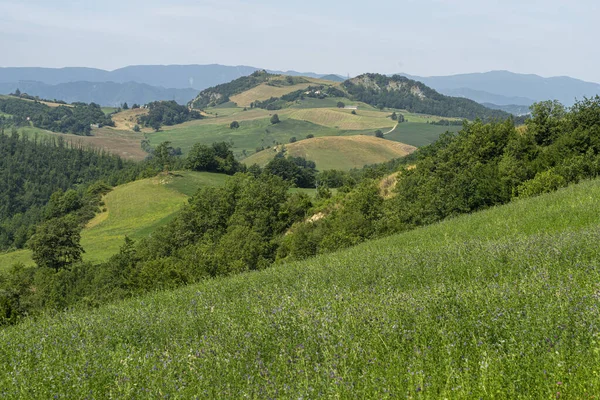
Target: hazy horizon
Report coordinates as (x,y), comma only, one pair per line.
(423,38)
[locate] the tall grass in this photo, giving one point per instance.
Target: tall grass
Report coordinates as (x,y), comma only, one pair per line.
(498,304)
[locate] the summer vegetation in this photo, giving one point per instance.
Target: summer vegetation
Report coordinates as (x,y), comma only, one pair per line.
(437,303)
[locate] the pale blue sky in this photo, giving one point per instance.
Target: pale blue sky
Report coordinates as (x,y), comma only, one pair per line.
(421,37)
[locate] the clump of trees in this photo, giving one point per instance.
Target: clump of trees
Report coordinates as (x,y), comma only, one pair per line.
(77,119)
(167,113)
(215,158)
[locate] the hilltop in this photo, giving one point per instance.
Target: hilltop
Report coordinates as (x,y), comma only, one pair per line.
(403,93)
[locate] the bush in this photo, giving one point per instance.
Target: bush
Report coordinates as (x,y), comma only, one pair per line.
(544,182)
(378,133)
(275,119)
(234,125)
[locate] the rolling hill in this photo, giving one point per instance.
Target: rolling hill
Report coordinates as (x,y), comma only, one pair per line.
(337,152)
(135,210)
(499,303)
(402,93)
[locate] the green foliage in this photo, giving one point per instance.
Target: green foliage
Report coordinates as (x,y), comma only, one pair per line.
(399,92)
(215,158)
(32,169)
(234,125)
(379,133)
(544,182)
(77,119)
(296,170)
(490,303)
(55,244)
(167,113)
(275,119)
(340,104)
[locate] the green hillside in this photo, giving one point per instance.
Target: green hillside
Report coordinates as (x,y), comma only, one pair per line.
(135,209)
(337,152)
(403,93)
(496,304)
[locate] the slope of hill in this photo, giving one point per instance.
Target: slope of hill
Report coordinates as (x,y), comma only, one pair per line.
(135,210)
(337,152)
(260,83)
(509,84)
(500,303)
(402,93)
(103,93)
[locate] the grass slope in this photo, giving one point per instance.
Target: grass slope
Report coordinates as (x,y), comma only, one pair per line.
(498,304)
(338,152)
(419,134)
(264,92)
(344,119)
(135,209)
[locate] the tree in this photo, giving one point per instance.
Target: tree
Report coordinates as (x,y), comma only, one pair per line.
(17,93)
(234,125)
(293,139)
(353,112)
(310,136)
(400,118)
(125,106)
(155,124)
(275,119)
(136,128)
(394,116)
(55,244)
(164,155)
(378,133)
(340,104)
(134,106)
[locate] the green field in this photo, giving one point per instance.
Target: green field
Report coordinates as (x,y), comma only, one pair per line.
(136,209)
(419,134)
(499,304)
(337,152)
(250,135)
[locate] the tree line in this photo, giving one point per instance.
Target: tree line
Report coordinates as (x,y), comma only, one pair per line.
(33,168)
(76,119)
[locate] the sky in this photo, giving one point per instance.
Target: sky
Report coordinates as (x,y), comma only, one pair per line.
(419,37)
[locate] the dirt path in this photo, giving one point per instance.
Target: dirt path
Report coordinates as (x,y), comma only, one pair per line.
(392,130)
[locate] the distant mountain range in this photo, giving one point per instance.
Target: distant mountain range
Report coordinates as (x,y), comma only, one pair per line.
(500,88)
(103,93)
(133,84)
(508,88)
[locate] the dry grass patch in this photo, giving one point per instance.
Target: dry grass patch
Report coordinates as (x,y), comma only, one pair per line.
(344,119)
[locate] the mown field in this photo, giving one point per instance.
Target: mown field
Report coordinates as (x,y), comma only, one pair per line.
(419,134)
(338,152)
(135,209)
(503,303)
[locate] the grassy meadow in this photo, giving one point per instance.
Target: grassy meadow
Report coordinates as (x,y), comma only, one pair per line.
(338,152)
(498,304)
(135,209)
(419,134)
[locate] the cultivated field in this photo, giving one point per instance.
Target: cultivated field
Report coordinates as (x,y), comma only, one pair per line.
(126,120)
(338,152)
(264,92)
(499,304)
(343,119)
(419,134)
